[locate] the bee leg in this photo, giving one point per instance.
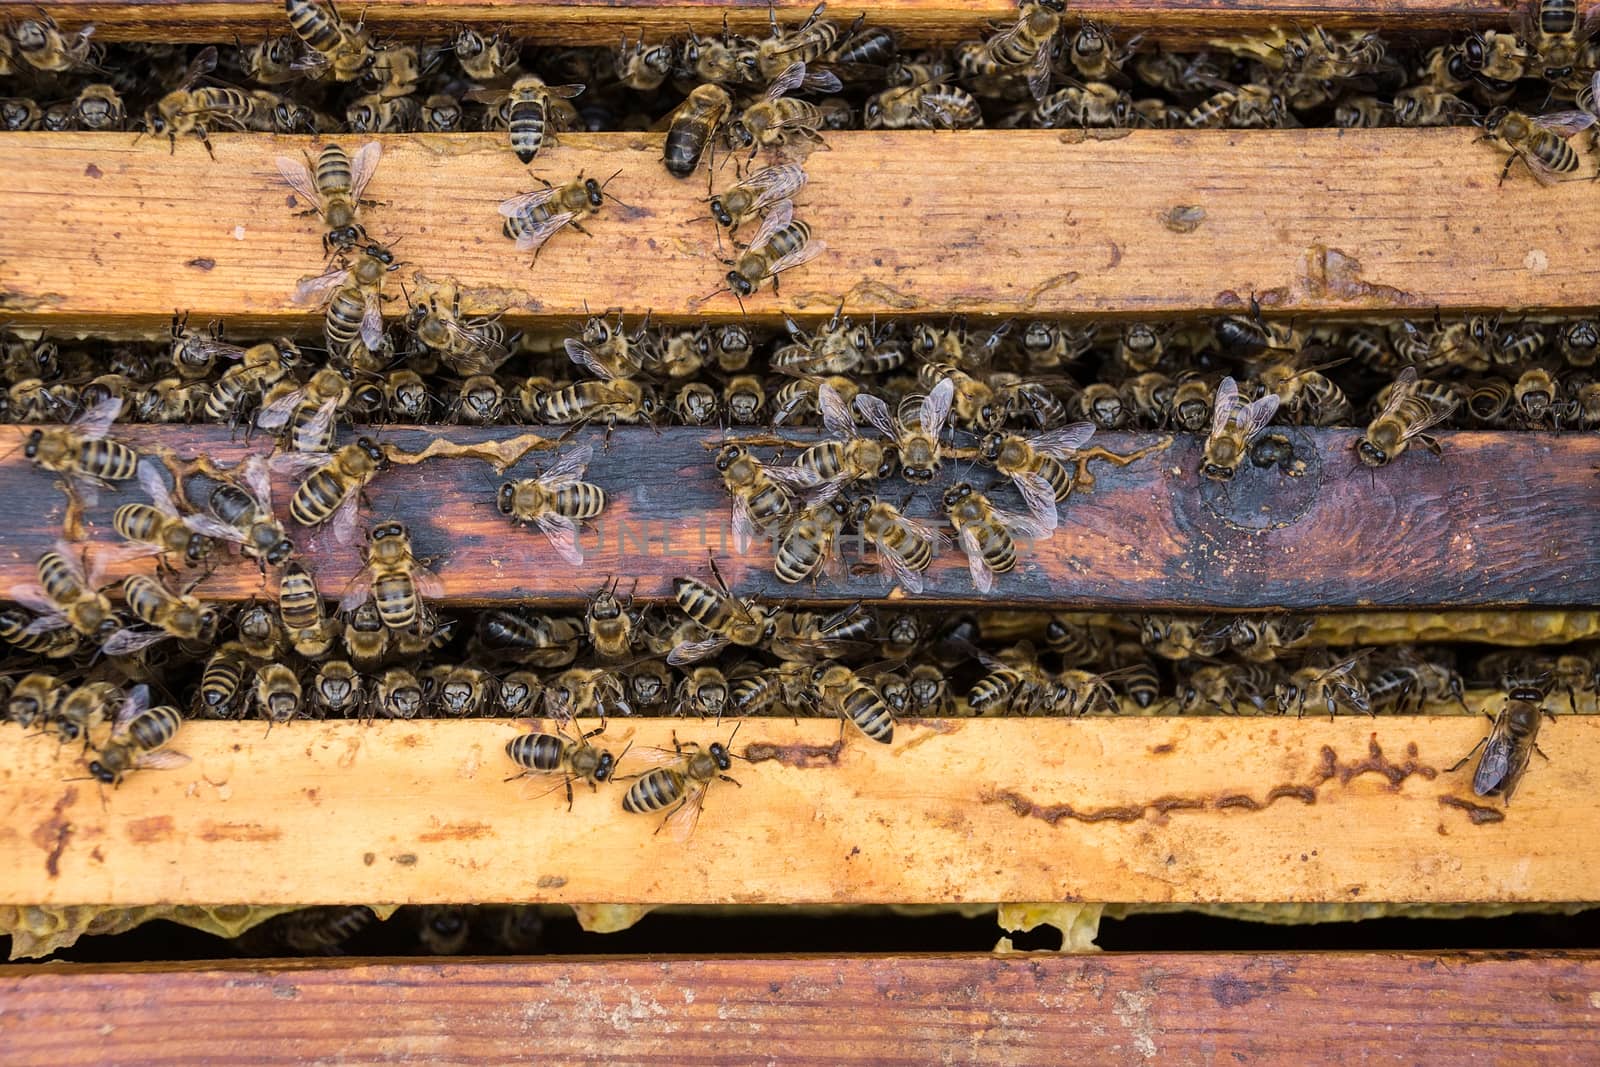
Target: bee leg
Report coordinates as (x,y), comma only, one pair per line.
(1458,763)
(725,778)
(1507,169)
(569,792)
(1541,754)
(1431,443)
(207,142)
(579,227)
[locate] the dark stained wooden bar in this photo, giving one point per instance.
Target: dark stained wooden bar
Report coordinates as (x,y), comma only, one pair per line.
(1136,1009)
(597,22)
(1499,519)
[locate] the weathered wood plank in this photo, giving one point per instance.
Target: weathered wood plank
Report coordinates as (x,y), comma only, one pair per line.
(97,231)
(1380,1008)
(1500,519)
(593,22)
(974,810)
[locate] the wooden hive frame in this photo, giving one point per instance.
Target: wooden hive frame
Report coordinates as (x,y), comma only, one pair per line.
(101,234)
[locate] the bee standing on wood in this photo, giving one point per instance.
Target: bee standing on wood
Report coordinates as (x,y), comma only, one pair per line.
(1510,744)
(556,502)
(139,736)
(572,758)
(1406,416)
(904,545)
(533,218)
(916,444)
(333,187)
(762,500)
(332,489)
(1036,465)
(1540,141)
(394,578)
(679,785)
(695,125)
(987,534)
(354,318)
(1234,424)
(727,619)
(81,451)
(526,108)
(160,525)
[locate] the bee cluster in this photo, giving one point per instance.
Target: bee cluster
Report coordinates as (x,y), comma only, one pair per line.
(1041,69)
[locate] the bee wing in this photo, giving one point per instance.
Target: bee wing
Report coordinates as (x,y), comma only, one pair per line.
(1435,416)
(822,81)
(562,533)
(319,423)
(317,290)
(1039,73)
(355,594)
(299,178)
(428,584)
(97,420)
(162,759)
(982,576)
(1040,497)
(1404,383)
(50,621)
(362,167)
(136,701)
(744,525)
(474,337)
(772,184)
(569,468)
(153,484)
(310,61)
(895,569)
(210,527)
(275,416)
(686,816)
(587,358)
(128,641)
(1064,442)
(256,475)
(1565,123)
(514,206)
(802,255)
(372,321)
(344,520)
(936,407)
(214,348)
(1494,765)
(776,218)
(835,412)
(486,96)
(793,477)
(1223,405)
(296,464)
(1023,527)
(792,77)
(695,651)
(1258,414)
(565,92)
(650,758)
(875,411)
(546,229)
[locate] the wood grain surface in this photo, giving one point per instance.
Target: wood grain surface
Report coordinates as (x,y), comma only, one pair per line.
(597,22)
(1135,1009)
(1501,519)
(955,811)
(99,231)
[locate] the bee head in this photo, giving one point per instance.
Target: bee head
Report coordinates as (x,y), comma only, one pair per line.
(1371,454)
(31,449)
(739,284)
(955,494)
(739,135)
(198,548)
(591,191)
(872,114)
(991,445)
(374,452)
(384,531)
(603,771)
(840,508)
(278,553)
(505,498)
(108,626)
(101,772)
(210,623)
(1219,472)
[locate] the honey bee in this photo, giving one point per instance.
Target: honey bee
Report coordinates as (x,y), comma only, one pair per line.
(609,351)
(393,577)
(84,708)
(1177,637)
(19,114)
(1035,465)
(375,114)
(533,640)
(1095,53)
(222,681)
(555,502)
(1234,424)
(160,525)
(308,628)
(1249,107)
(458,691)
(1084,104)
(1014,683)
(987,534)
(533,218)
(730,60)
(1360,111)
(354,295)
(68,595)
(1262,639)
(271,62)
(395,72)
(932,105)
(782,243)
(849,459)
(1539,141)
(337,689)
(1224,686)
(526,107)
(810,545)
(1494,55)
(99,108)
(1333,686)
(243,510)
(726,619)
(1429,105)
(610,626)
(345,52)
(574,758)
(703,691)
(1406,415)
(82,452)
(260,367)
(916,445)
(649,685)
(695,125)
(40,44)
(170,614)
(642,68)
(679,784)
(1026,44)
(334,185)
(755,193)
(761,494)
(613,399)
(585,691)
(35,698)
(518,693)
(278,693)
(466,346)
(480,401)
(806,43)
(442,113)
(696,404)
(190,110)
(332,489)
(487,59)
(397,695)
(777,119)
(1511,743)
(57,643)
(139,736)
(306,415)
